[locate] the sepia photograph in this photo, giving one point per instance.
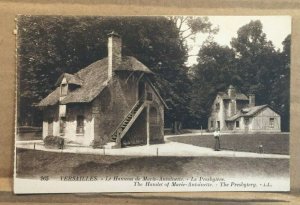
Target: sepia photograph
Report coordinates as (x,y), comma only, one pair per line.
(152,104)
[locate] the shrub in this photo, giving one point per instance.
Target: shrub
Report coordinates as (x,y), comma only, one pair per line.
(96,144)
(54,142)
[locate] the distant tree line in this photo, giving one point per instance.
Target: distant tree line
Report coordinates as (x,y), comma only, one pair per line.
(50,46)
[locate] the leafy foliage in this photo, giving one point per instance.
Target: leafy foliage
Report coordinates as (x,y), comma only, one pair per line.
(252,65)
(50,46)
(54,142)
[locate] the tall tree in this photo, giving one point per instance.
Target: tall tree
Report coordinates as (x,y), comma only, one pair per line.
(257,60)
(264,70)
(50,46)
(280,93)
(214,72)
(189,26)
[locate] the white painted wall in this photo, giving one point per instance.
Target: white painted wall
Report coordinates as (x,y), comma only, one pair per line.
(70,132)
(217,115)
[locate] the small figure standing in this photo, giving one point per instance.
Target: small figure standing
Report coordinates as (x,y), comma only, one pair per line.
(217,139)
(61,143)
(261,148)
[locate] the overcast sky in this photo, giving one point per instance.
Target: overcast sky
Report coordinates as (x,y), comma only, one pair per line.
(275,27)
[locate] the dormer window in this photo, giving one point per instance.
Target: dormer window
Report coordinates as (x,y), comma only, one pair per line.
(149,96)
(68,82)
(64,89)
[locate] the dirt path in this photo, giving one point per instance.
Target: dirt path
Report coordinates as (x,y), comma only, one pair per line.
(167,149)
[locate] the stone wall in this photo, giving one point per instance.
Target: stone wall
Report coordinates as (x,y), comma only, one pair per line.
(116,101)
(113,104)
(103,115)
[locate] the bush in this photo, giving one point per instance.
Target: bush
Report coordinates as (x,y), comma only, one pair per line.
(96,144)
(54,142)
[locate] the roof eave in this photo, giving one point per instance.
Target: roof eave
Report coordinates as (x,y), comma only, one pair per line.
(157,93)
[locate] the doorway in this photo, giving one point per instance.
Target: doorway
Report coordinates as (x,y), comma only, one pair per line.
(50,126)
(246,124)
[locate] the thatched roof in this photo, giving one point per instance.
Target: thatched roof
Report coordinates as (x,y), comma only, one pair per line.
(247,112)
(241,96)
(71,79)
(224,95)
(92,80)
(130,63)
(238,96)
(51,99)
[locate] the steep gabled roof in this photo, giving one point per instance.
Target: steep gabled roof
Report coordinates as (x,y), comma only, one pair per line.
(157,93)
(71,79)
(92,80)
(253,110)
(51,99)
(223,95)
(241,96)
(130,63)
(247,112)
(95,80)
(238,96)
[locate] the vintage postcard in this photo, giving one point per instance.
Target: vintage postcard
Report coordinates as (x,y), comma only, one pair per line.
(152,104)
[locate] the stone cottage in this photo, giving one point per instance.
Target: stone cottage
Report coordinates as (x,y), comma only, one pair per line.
(111,103)
(235,112)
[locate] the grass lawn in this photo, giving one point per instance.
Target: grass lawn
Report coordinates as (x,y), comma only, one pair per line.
(277,143)
(33,163)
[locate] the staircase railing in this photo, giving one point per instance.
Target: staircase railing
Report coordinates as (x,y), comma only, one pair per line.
(115,132)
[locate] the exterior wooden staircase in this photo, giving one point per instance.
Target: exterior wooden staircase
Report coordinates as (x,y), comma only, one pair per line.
(126,123)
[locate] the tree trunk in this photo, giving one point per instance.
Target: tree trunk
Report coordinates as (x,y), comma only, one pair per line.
(176,127)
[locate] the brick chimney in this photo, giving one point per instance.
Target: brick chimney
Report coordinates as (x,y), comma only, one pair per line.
(232,103)
(114,46)
(251,100)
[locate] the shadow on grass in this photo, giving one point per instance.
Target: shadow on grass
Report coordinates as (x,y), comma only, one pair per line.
(34,163)
(162,166)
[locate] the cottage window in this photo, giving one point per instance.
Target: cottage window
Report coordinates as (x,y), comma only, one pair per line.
(62,125)
(80,124)
(149,96)
(272,120)
(237,124)
(212,124)
(64,89)
(218,124)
